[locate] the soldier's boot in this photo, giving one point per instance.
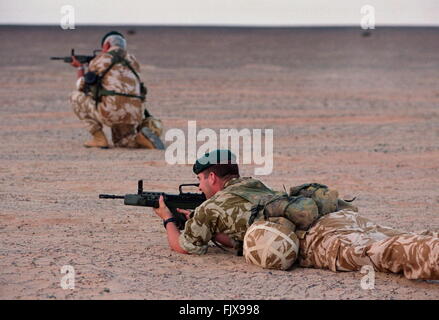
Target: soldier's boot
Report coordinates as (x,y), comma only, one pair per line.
(143,142)
(341,204)
(99,140)
(147,139)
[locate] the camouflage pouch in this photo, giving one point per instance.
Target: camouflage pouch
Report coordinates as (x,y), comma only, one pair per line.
(91,85)
(326,199)
(301,211)
(284,222)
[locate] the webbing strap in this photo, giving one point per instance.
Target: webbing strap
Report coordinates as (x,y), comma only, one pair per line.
(104,92)
(119,59)
(116,58)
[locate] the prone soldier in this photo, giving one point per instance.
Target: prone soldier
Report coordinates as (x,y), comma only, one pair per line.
(309,224)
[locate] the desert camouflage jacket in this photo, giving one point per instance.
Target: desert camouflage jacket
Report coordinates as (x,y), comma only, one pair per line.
(119,78)
(225,212)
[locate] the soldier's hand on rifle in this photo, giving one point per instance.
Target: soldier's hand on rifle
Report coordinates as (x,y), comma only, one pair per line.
(75,63)
(163,211)
(187,213)
(78,65)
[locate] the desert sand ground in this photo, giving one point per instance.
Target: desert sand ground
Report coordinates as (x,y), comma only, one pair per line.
(359,114)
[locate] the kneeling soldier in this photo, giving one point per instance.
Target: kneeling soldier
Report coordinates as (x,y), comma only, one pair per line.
(111,93)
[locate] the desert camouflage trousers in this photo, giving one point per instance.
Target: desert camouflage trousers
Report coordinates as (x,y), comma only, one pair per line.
(345,241)
(123,121)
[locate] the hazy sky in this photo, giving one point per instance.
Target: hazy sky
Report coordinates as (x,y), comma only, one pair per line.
(221,12)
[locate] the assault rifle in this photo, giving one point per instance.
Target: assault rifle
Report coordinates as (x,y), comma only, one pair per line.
(80,58)
(183,200)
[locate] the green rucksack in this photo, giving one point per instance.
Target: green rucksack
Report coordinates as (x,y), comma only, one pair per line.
(266,203)
(326,199)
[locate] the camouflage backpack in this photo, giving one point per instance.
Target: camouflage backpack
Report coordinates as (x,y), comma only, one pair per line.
(266,203)
(302,206)
(326,199)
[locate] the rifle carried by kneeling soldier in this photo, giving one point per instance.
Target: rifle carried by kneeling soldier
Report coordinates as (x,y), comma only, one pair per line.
(81,58)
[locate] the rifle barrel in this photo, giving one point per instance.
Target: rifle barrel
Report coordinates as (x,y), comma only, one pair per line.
(110,196)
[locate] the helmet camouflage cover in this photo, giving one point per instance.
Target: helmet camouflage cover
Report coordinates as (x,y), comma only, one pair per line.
(271,245)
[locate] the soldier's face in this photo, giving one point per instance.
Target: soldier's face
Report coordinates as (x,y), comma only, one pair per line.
(206,185)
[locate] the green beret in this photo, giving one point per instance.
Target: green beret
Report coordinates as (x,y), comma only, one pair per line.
(111,33)
(214,157)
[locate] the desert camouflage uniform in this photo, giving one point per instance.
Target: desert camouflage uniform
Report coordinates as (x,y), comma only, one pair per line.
(229,212)
(121,114)
(339,241)
(225,212)
(345,241)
